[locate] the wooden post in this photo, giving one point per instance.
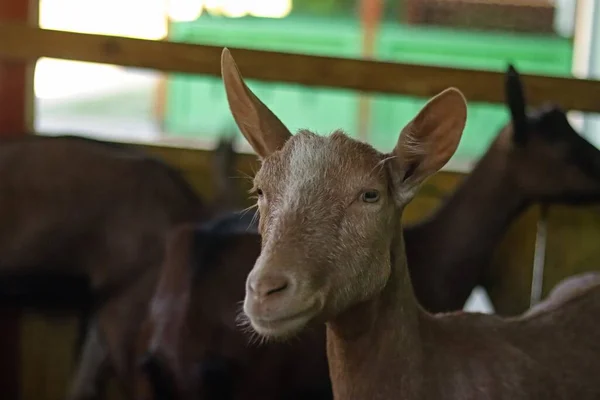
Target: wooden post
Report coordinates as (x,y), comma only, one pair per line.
(160,91)
(370,15)
(16,95)
(16,78)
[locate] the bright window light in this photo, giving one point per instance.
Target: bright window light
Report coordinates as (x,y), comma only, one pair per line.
(271,8)
(257,8)
(236,8)
(185,10)
(144,19)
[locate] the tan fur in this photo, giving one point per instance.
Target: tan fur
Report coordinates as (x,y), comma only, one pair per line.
(381,344)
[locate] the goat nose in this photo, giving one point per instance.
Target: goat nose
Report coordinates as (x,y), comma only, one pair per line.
(269,285)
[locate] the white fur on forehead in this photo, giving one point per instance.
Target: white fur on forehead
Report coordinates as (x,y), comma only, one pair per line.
(307,159)
(310,155)
(314,163)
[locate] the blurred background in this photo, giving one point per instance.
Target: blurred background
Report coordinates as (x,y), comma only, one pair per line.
(547,37)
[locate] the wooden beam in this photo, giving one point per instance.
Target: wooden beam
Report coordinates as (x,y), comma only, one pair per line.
(20,42)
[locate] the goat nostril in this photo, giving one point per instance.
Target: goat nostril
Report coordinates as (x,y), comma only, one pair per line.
(281,288)
(269,285)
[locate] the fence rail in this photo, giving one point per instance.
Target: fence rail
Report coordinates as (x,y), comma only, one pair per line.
(22,42)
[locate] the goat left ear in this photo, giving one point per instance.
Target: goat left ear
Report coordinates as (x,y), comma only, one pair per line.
(259,125)
(428,142)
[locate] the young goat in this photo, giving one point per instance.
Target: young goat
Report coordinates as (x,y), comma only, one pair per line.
(332,251)
(536,158)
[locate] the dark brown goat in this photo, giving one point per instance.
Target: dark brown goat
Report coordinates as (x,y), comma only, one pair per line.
(343,200)
(538,158)
(85,221)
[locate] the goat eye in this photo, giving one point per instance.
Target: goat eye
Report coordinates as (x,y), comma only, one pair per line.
(370,196)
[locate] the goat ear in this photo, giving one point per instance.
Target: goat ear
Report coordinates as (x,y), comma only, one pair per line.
(515,99)
(428,141)
(263,130)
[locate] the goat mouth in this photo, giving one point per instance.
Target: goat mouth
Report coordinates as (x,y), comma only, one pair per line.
(284,326)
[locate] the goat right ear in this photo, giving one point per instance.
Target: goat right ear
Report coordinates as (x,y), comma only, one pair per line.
(259,125)
(516,104)
(428,142)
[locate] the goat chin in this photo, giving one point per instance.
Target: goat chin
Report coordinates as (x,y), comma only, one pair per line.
(281,327)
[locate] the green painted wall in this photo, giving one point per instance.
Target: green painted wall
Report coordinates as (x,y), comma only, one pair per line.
(196,106)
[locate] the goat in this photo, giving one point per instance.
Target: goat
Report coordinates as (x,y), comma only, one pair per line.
(332,251)
(539,157)
(83,225)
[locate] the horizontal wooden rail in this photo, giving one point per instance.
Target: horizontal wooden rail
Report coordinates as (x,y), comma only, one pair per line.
(18,41)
